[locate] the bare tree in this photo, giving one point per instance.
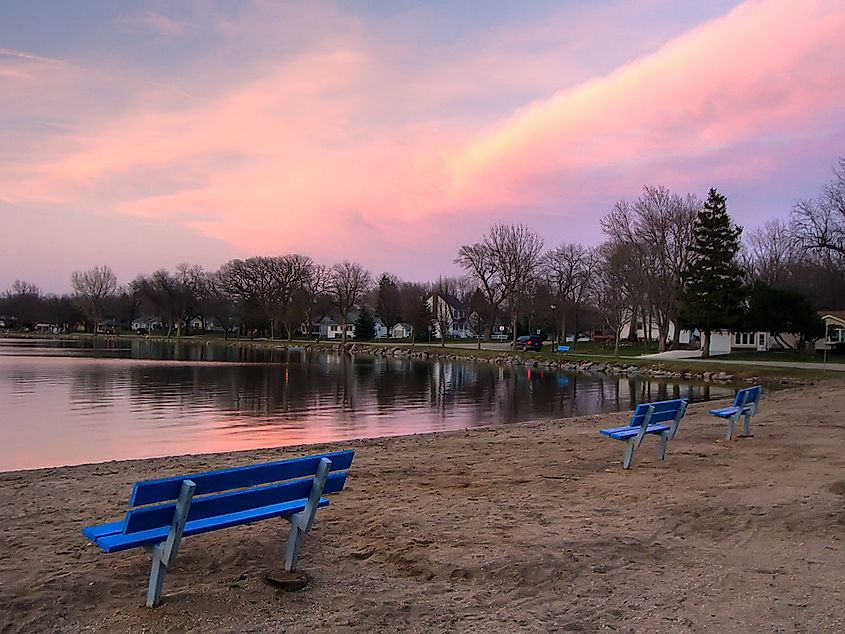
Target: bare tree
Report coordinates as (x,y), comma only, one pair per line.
(20,287)
(568,270)
(504,264)
(478,261)
(291,275)
(609,290)
(170,296)
(819,224)
(24,301)
(269,285)
(217,303)
(92,288)
(658,228)
(771,253)
(516,250)
(316,285)
(349,282)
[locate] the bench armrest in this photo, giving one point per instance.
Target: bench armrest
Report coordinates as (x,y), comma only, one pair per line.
(682,410)
(646,421)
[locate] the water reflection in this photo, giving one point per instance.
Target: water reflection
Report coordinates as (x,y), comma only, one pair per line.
(68,402)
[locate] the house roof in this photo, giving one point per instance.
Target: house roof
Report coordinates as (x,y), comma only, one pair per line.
(838,315)
(453,301)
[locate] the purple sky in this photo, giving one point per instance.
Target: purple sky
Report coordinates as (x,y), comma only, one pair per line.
(145,134)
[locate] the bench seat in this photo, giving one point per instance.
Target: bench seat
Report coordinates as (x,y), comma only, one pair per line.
(626,432)
(117,541)
(726,412)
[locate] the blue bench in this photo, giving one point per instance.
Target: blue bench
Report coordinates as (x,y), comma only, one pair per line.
(745,404)
(162,512)
(563,348)
(649,418)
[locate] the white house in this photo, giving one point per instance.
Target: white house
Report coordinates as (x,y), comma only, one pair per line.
(761,341)
(653,334)
(381,331)
(834,322)
(331,328)
(452,314)
(146,324)
(402,331)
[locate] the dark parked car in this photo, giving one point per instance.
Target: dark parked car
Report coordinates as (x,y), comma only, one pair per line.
(529,342)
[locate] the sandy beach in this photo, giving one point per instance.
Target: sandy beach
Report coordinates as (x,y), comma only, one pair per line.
(533,527)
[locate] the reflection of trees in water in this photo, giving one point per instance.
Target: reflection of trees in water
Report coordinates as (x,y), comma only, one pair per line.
(95,386)
(307,383)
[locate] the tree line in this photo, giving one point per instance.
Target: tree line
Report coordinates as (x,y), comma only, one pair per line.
(668,261)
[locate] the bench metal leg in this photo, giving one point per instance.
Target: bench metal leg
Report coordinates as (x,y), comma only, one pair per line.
(164,554)
(664,442)
(730,434)
(746,425)
(629,453)
(156,579)
(300,523)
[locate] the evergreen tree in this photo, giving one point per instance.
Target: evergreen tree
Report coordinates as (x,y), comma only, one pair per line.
(713,294)
(421,322)
(365,326)
(389,306)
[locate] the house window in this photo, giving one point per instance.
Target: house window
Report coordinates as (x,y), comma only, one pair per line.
(744,338)
(835,335)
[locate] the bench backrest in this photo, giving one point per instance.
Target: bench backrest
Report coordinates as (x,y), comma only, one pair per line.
(233,490)
(166,489)
(664,412)
(749,396)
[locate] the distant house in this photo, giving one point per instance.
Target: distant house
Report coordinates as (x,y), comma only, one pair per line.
(334,326)
(762,341)
(649,331)
(381,331)
(107,327)
(834,323)
(402,331)
(144,325)
(452,314)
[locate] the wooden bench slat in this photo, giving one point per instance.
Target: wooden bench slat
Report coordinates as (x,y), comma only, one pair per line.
(115,543)
(152,517)
(167,489)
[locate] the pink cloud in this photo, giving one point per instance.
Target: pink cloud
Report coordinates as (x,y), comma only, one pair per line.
(331,151)
(765,70)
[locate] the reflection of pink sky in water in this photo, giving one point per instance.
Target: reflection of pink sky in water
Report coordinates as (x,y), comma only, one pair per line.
(60,410)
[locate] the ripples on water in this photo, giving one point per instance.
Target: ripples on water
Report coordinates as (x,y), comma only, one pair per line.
(69,402)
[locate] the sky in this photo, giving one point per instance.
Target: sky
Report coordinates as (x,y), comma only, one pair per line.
(146,134)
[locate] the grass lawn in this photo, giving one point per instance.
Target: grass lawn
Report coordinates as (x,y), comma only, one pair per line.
(783,356)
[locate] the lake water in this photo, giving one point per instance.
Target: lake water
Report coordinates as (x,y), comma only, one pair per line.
(70,402)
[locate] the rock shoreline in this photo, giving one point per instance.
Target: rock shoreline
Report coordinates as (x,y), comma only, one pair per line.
(585,367)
